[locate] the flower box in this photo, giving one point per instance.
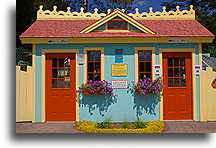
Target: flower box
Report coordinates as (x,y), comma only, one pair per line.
(86,92)
(92,87)
(137,91)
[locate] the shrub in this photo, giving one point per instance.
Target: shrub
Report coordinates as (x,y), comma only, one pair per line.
(125,125)
(139,124)
(104,124)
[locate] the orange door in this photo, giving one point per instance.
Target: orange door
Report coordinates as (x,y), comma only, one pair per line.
(177,93)
(60,87)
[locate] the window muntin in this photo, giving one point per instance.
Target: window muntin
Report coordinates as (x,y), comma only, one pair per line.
(144,64)
(117,25)
(94,65)
(61,73)
(176,72)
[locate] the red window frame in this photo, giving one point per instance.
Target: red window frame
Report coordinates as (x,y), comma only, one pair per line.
(94,71)
(144,63)
(117,21)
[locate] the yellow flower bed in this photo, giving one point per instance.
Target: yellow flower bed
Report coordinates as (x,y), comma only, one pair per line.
(152,127)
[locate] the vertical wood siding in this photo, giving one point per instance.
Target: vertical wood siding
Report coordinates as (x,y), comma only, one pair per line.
(24,95)
(208,96)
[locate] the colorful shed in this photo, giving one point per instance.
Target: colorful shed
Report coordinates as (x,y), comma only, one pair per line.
(70,48)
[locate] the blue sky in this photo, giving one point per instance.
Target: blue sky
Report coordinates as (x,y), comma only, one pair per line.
(144,5)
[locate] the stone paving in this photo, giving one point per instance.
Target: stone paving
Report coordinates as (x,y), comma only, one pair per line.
(61,127)
(189,127)
(68,127)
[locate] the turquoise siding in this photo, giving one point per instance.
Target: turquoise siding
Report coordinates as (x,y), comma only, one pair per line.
(126,106)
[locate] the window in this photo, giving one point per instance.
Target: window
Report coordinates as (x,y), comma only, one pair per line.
(145,64)
(94,65)
(176,72)
(61,73)
(117,25)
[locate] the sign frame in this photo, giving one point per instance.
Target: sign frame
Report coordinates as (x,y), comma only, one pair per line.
(115,71)
(116,86)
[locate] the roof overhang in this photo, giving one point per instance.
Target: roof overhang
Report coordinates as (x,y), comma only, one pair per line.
(36,40)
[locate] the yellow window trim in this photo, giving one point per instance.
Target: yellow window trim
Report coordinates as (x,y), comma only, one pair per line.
(102,61)
(44,51)
(136,49)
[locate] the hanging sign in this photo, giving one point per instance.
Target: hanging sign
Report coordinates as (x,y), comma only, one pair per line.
(120,84)
(197,69)
(118,55)
(80,59)
(157,69)
(119,69)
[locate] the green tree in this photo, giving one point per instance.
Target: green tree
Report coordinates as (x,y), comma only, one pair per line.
(205,14)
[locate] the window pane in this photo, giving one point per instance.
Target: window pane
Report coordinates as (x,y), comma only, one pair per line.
(54,83)
(111,25)
(54,73)
(67,83)
(90,67)
(90,76)
(148,66)
(176,72)
(176,61)
(67,73)
(182,61)
(60,73)
(97,56)
(61,62)
(97,67)
(148,75)
(141,76)
(141,66)
(148,55)
(141,55)
(182,71)
(97,77)
(60,83)
(176,82)
(93,56)
(182,82)
(170,72)
(54,62)
(170,82)
(170,62)
(67,62)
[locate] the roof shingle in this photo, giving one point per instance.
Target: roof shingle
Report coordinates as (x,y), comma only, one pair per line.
(72,28)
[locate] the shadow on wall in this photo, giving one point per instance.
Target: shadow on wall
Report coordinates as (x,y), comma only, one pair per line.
(100,102)
(145,104)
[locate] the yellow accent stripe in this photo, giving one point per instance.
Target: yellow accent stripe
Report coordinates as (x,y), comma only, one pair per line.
(44,51)
(102,61)
(119,40)
(192,50)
